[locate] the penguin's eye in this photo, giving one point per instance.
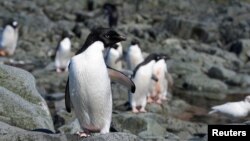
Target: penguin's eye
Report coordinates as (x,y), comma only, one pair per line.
(106,36)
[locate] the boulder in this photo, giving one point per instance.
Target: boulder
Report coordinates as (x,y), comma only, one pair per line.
(11,133)
(21,104)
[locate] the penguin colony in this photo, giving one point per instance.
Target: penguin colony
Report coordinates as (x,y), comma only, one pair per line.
(91,72)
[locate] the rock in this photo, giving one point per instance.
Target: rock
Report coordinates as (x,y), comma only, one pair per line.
(52,81)
(185,129)
(21,104)
(242,80)
(143,125)
(183,68)
(11,133)
(219,72)
(200,82)
(241,48)
(71,127)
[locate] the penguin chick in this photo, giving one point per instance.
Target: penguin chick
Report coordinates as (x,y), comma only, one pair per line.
(233,110)
(63,53)
(134,55)
(142,76)
(8,39)
(88,86)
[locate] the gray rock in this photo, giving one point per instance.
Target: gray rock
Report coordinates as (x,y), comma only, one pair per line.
(143,125)
(21,104)
(52,81)
(200,82)
(219,72)
(185,129)
(11,133)
(71,127)
(242,80)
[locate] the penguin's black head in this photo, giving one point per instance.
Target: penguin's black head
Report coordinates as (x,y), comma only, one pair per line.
(163,56)
(108,7)
(12,23)
(135,42)
(108,36)
(157,56)
(67,34)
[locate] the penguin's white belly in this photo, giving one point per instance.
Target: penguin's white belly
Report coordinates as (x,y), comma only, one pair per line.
(62,58)
(134,60)
(112,57)
(142,82)
(9,40)
(90,93)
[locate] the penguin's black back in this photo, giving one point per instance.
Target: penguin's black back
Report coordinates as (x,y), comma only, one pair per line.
(146,61)
(112,13)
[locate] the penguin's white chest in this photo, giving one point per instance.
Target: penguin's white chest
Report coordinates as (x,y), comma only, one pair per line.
(63,54)
(90,89)
(113,55)
(9,39)
(134,57)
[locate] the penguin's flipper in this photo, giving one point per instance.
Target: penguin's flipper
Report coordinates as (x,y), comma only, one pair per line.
(154,77)
(67,97)
(119,77)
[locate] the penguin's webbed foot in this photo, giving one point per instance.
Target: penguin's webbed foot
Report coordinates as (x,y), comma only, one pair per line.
(82,134)
(142,110)
(3,53)
(164,98)
(159,101)
(150,100)
(134,110)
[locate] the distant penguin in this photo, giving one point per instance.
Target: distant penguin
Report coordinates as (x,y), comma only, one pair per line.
(233,110)
(90,5)
(134,55)
(8,39)
(88,86)
(142,76)
(114,56)
(111,11)
(63,53)
(159,89)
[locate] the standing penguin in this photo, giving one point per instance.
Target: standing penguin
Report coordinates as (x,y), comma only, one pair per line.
(88,86)
(114,56)
(8,39)
(159,89)
(111,11)
(63,53)
(142,76)
(134,55)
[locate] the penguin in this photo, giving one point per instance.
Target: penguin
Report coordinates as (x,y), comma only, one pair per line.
(88,86)
(111,11)
(142,76)
(8,39)
(233,110)
(63,53)
(134,55)
(114,57)
(159,89)
(90,4)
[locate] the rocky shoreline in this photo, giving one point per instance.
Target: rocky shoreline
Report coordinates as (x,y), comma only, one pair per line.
(202,39)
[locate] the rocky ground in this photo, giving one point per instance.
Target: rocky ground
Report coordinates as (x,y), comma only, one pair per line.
(202,38)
